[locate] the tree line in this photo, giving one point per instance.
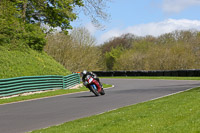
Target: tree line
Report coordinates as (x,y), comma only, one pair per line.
(172,51)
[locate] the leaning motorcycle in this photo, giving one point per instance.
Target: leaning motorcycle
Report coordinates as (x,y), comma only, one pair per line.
(93,85)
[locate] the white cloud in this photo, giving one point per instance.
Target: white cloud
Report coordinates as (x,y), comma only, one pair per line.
(91,28)
(176,6)
(154,28)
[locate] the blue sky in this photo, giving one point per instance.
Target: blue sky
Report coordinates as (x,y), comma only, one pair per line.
(145,17)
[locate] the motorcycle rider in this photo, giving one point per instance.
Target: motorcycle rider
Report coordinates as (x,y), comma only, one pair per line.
(85,73)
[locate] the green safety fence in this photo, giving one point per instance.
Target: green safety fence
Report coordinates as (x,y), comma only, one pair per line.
(12,86)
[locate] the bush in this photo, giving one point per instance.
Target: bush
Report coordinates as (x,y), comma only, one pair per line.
(112,56)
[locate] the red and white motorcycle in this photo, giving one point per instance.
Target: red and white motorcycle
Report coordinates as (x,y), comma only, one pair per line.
(93,85)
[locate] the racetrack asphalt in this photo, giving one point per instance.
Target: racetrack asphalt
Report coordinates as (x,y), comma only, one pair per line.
(41,113)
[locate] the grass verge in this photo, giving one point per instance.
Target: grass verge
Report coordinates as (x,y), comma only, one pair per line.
(176,113)
(46,94)
(154,77)
(16,63)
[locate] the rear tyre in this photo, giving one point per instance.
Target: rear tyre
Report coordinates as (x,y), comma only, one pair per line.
(102,92)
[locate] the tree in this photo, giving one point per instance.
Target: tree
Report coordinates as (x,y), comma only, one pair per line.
(82,36)
(14,32)
(75,51)
(10,26)
(59,13)
(124,41)
(130,60)
(112,56)
(95,9)
(51,12)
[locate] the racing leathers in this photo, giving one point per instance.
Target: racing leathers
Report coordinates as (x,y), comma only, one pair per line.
(93,75)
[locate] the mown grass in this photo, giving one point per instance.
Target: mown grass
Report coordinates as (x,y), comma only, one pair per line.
(155,77)
(46,94)
(179,113)
(27,62)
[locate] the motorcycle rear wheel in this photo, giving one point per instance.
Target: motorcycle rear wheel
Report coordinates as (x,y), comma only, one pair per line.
(102,92)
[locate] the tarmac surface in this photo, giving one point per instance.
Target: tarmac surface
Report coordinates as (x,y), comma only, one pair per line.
(41,113)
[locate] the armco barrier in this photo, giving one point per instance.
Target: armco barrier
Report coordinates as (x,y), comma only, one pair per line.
(104,73)
(119,73)
(71,80)
(176,73)
(25,84)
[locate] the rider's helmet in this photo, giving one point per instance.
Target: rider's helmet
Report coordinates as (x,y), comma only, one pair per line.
(84,72)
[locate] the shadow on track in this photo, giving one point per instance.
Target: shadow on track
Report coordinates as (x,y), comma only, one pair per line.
(85,96)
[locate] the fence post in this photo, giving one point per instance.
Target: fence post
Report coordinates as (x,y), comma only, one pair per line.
(64,85)
(79,79)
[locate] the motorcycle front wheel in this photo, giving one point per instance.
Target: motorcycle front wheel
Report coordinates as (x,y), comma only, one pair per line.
(93,90)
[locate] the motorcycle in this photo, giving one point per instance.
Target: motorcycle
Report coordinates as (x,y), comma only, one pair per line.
(93,85)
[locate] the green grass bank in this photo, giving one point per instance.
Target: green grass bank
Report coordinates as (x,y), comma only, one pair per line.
(27,62)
